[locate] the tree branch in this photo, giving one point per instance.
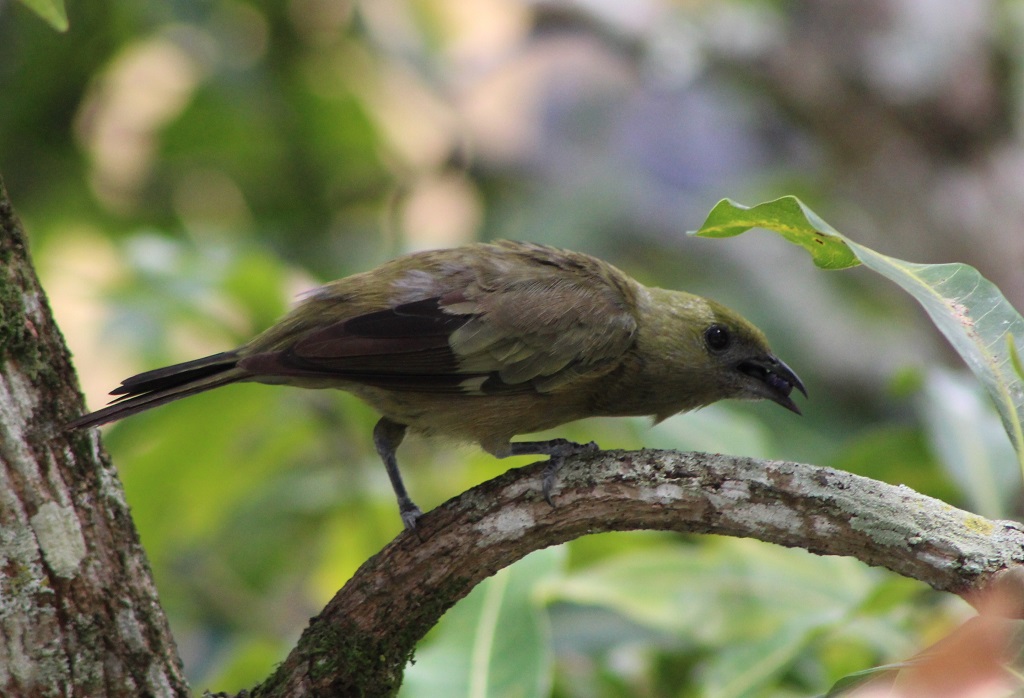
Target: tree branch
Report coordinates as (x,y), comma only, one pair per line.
(361,642)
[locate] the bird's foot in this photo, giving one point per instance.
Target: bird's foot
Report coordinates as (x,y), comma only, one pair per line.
(563,448)
(557,449)
(547,481)
(410,513)
(560,450)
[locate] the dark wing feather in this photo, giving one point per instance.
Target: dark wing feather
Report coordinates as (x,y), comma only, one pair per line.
(400,348)
(386,339)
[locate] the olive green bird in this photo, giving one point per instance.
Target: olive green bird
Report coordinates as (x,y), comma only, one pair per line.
(484,342)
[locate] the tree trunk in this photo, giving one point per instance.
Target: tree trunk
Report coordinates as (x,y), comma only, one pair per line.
(79,614)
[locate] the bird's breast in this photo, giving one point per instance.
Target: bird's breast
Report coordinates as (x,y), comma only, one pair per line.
(482,419)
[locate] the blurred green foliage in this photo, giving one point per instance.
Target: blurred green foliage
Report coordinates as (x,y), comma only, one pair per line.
(186,169)
(51,10)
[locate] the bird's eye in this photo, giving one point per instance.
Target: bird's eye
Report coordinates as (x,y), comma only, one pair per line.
(717,337)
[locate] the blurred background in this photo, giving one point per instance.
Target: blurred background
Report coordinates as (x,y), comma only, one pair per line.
(186,169)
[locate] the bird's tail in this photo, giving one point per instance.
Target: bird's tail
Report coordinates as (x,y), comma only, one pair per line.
(163,385)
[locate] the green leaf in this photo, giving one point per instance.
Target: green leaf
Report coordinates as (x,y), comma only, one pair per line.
(694,590)
(791,219)
(859,678)
(965,435)
(1011,346)
(495,643)
(744,668)
(967,308)
(756,608)
(50,10)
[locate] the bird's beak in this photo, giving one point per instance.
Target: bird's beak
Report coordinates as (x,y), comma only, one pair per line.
(775,379)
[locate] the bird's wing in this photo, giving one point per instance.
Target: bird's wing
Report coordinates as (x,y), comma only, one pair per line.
(488,331)
(544,331)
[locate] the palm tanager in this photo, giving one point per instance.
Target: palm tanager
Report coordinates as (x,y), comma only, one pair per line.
(487,341)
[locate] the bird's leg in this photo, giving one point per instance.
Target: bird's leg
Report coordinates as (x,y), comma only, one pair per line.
(557,449)
(387,436)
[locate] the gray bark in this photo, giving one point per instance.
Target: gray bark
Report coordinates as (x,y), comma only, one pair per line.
(79,614)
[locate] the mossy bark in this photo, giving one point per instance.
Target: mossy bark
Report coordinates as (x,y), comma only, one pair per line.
(79,614)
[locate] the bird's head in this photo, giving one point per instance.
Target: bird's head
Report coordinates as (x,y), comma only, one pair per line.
(709,352)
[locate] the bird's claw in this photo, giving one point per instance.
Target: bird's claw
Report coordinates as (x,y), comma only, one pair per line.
(563,450)
(409,517)
(547,481)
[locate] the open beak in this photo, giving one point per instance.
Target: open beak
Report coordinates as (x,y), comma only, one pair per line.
(776,378)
